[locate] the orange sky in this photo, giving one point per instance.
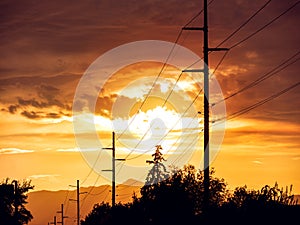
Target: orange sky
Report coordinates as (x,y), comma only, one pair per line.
(46,48)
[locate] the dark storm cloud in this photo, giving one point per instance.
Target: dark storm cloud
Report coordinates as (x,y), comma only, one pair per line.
(32,102)
(105,106)
(40,105)
(13,109)
(33,97)
(40,115)
(53,115)
(30,115)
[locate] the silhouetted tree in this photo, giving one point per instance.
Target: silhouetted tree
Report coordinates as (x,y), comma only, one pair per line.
(100,214)
(12,202)
(178,199)
(158,172)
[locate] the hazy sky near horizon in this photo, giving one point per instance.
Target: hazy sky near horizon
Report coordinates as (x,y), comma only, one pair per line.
(46,46)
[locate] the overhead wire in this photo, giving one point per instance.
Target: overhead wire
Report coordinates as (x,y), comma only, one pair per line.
(251,35)
(197,15)
(265,26)
(286,63)
(162,69)
(233,46)
(251,107)
(173,125)
(153,84)
(244,23)
(157,77)
(236,31)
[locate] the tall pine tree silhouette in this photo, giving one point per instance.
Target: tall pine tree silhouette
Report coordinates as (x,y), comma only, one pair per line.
(158,172)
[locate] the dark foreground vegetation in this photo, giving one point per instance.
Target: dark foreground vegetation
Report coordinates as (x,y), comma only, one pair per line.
(171,198)
(179,200)
(13,199)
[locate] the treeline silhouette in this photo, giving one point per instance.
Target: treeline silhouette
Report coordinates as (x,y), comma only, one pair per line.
(13,199)
(178,199)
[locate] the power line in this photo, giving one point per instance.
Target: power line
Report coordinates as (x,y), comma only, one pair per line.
(179,138)
(164,65)
(184,139)
(265,76)
(169,129)
(243,40)
(237,30)
(164,135)
(255,32)
(153,84)
(163,105)
(251,107)
(91,189)
(220,62)
(99,193)
(196,16)
(194,140)
(244,24)
(265,26)
(162,69)
(233,33)
(92,168)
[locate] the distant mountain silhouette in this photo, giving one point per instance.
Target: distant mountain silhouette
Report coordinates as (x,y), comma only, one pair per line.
(44,204)
(133,182)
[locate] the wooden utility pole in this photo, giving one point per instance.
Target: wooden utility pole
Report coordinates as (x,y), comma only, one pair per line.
(77,200)
(78,205)
(206,106)
(113,170)
(62,214)
(54,220)
(205,72)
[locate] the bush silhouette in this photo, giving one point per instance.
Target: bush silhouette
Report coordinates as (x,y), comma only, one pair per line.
(178,199)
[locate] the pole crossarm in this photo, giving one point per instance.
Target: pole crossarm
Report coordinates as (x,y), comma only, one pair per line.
(193,71)
(193,28)
(218,49)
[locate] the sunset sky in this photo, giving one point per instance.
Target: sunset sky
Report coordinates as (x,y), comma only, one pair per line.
(47,46)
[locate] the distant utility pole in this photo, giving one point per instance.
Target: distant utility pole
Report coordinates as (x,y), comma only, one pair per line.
(62,214)
(205,71)
(77,201)
(54,221)
(113,170)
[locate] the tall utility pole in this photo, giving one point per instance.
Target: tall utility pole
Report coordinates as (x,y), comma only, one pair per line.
(62,214)
(113,170)
(206,106)
(205,72)
(78,206)
(77,200)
